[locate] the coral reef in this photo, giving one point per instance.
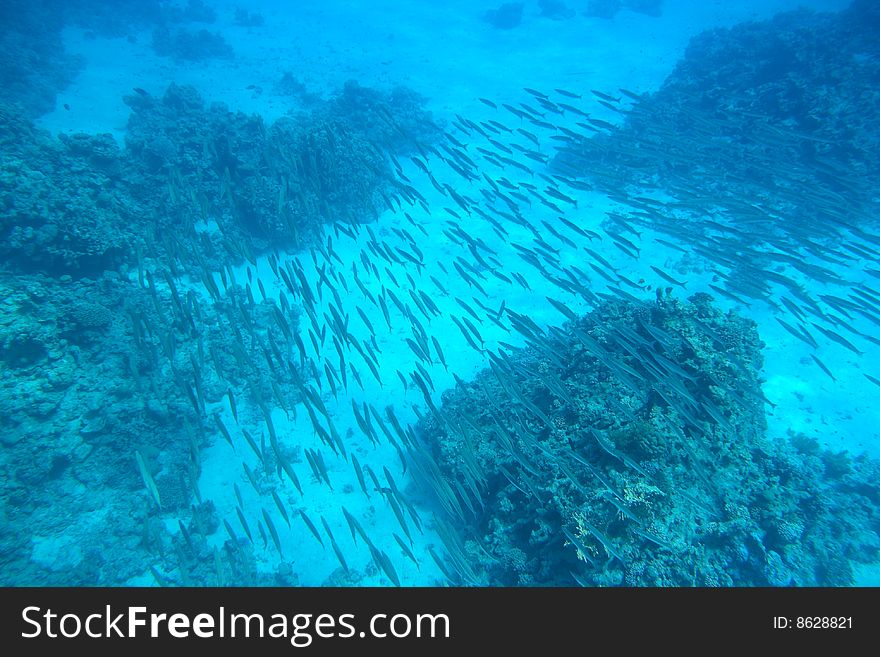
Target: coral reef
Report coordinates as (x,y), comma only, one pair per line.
(765,111)
(629,449)
(109,369)
(289,85)
(603,8)
(62,206)
(186,45)
(647,7)
(555,9)
(105,354)
(774,79)
(273,183)
(117,19)
(244,18)
(33,64)
(80,205)
(505,17)
(609,8)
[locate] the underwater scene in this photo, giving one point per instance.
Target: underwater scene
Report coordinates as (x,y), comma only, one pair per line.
(465,293)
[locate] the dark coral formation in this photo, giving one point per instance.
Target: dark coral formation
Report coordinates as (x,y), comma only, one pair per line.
(33,64)
(505,17)
(766,125)
(111,367)
(245,18)
(125,17)
(64,209)
(738,90)
(116,19)
(275,183)
(290,85)
(629,449)
(608,8)
(80,205)
(603,8)
(555,9)
(647,7)
(186,45)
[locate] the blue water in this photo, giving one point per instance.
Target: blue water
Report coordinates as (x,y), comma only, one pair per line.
(402,293)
